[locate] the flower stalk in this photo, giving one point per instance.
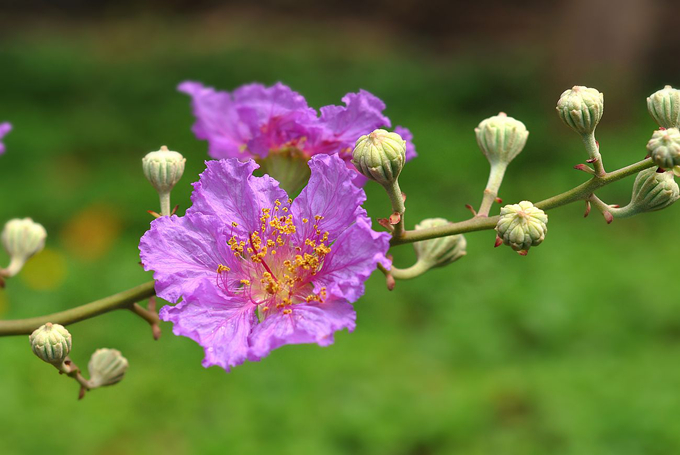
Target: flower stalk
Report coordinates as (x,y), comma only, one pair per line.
(496,175)
(593,150)
(398,207)
(71,370)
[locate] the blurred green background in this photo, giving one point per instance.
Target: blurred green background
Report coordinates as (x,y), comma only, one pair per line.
(571,350)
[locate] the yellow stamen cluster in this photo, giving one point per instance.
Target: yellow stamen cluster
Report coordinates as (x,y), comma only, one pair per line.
(282,280)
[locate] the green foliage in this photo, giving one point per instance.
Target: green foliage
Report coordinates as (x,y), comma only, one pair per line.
(572,350)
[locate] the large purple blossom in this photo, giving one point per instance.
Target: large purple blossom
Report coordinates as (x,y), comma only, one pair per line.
(256,270)
(4,129)
(254,121)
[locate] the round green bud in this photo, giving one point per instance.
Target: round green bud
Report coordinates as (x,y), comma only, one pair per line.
(106,367)
(163,169)
(51,342)
(501,138)
(581,108)
(522,226)
(380,156)
(664,107)
(440,251)
(653,190)
(22,239)
(664,148)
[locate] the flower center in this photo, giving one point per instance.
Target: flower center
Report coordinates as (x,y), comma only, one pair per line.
(272,270)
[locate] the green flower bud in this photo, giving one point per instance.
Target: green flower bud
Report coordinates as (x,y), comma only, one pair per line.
(501,138)
(652,191)
(163,169)
(664,148)
(106,367)
(664,107)
(380,156)
(22,239)
(522,226)
(440,251)
(581,108)
(51,342)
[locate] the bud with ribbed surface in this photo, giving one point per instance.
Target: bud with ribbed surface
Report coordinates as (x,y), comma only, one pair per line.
(51,342)
(106,367)
(380,156)
(664,107)
(522,226)
(163,169)
(664,148)
(22,239)
(440,251)
(501,138)
(652,191)
(581,108)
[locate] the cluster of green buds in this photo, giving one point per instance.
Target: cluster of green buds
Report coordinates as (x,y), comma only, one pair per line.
(380,156)
(501,139)
(521,226)
(22,239)
(163,169)
(581,108)
(106,367)
(664,148)
(52,344)
(664,107)
(652,191)
(440,251)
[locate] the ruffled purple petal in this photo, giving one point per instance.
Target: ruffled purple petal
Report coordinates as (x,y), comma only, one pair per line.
(4,129)
(228,190)
(275,116)
(217,121)
(183,251)
(259,104)
(353,257)
(306,323)
(406,135)
(330,194)
(361,114)
(219,323)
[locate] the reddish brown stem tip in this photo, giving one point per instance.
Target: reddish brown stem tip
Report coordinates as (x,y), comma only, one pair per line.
(584,168)
(384,222)
(391,282)
(471,209)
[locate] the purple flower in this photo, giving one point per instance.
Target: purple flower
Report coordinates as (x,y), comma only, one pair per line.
(256,270)
(255,121)
(4,129)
